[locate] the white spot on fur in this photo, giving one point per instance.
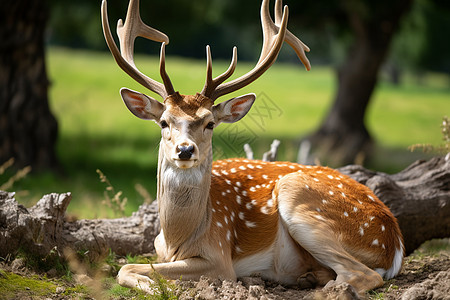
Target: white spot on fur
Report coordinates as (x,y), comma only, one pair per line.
(331,192)
(375,242)
(224,172)
(345,213)
(213,210)
(329,176)
(252,189)
(355,209)
(307,186)
(291,167)
(219,224)
(318,209)
(248,205)
(371,218)
(250,166)
(324,201)
(224,194)
(244,193)
(228,235)
(250,176)
(228,181)
(383,228)
(243,168)
(236,189)
(370,197)
(250,224)
(361,231)
(270,202)
(319,217)
(265,210)
(238,183)
(340,185)
(265,176)
(233,170)
(315,179)
(366,224)
(215,173)
(254,202)
(238,199)
(259,167)
(343,195)
(238,249)
(241,215)
(226,219)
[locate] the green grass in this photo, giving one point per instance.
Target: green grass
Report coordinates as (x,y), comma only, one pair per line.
(98,132)
(14,286)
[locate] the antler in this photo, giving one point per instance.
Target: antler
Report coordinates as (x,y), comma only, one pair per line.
(134,27)
(274,34)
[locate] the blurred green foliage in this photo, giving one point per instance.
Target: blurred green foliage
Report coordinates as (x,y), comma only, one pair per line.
(322,25)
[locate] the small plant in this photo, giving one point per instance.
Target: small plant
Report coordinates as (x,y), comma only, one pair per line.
(112,199)
(20,174)
(144,193)
(165,290)
(443,148)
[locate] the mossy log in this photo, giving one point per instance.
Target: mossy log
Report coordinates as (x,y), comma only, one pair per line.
(418,196)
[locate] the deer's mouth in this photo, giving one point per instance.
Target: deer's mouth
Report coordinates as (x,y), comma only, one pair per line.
(185,163)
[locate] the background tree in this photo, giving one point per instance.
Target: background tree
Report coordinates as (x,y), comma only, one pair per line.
(343,135)
(28,129)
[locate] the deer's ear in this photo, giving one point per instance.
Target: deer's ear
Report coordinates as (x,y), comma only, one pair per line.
(234,109)
(142,106)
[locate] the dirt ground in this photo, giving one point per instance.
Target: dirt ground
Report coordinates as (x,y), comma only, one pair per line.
(425,275)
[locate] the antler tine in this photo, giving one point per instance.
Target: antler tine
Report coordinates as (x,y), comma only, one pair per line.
(211,84)
(162,70)
(133,27)
(296,44)
(269,30)
(271,47)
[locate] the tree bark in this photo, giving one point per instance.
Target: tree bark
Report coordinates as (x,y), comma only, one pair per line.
(419,197)
(343,135)
(28,129)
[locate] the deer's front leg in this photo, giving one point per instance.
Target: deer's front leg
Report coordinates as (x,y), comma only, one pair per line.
(139,275)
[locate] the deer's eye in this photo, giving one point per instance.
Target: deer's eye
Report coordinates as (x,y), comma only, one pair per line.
(210,125)
(163,124)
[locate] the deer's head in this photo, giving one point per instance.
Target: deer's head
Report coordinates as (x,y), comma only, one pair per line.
(187,121)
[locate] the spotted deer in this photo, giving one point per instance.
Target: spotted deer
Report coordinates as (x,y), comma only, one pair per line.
(295,224)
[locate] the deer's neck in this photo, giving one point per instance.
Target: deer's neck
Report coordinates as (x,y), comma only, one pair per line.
(184,206)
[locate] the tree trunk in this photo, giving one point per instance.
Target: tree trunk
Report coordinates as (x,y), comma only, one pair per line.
(28,130)
(419,197)
(343,136)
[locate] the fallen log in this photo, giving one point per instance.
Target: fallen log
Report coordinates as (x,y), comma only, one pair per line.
(418,196)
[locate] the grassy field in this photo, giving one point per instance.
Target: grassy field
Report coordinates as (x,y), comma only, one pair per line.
(98,132)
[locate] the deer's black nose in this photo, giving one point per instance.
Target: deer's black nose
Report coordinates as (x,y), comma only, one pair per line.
(185,152)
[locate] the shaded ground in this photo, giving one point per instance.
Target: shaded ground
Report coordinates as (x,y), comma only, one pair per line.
(426,275)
